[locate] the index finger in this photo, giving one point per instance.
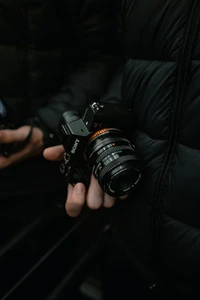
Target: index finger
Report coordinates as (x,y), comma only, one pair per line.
(8,136)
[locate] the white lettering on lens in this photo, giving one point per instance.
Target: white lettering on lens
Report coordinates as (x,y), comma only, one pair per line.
(75,146)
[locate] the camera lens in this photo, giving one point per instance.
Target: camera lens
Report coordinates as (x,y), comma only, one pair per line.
(113,161)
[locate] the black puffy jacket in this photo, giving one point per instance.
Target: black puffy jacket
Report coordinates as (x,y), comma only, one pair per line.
(54,56)
(161,82)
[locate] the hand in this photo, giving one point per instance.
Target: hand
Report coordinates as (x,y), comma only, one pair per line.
(77,196)
(33,148)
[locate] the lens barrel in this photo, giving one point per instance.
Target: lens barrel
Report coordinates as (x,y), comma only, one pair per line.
(113,161)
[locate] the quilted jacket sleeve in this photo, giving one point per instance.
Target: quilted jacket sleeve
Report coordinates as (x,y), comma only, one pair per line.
(96,36)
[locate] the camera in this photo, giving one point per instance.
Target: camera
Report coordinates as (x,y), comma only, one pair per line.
(98,143)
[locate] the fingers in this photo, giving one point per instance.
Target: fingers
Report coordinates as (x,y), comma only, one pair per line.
(12,136)
(108,201)
(75,199)
(54,153)
(95,196)
(7,136)
(123,197)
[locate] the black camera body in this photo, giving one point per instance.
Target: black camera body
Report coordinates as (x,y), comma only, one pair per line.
(98,143)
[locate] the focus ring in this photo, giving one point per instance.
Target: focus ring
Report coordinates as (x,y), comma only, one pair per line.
(112,150)
(114,164)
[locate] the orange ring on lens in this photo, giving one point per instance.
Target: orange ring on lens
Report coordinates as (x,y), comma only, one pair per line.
(95,134)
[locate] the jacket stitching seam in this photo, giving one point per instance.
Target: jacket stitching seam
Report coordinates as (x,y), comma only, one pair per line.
(158,194)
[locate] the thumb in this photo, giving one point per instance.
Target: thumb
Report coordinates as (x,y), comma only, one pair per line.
(55,153)
(11,136)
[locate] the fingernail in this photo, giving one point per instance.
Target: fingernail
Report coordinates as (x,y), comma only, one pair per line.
(80,188)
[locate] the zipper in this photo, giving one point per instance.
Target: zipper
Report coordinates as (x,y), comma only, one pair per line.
(181,83)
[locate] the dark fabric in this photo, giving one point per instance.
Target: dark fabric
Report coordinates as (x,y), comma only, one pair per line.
(18,211)
(118,277)
(94,54)
(34,175)
(54,55)
(30,226)
(160,222)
